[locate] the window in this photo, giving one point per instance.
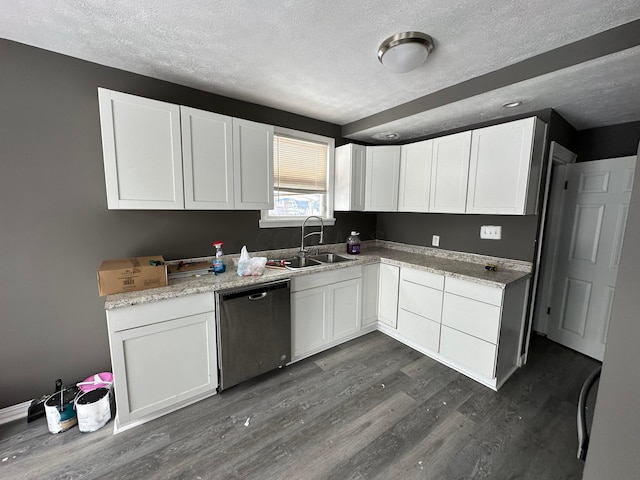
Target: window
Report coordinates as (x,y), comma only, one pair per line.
(302,179)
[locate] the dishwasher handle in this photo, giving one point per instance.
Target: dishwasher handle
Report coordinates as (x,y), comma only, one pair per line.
(257,296)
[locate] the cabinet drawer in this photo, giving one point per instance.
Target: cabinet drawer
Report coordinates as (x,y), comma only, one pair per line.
(421,277)
(468,351)
(477,291)
(469,316)
(423,301)
(419,330)
(320,279)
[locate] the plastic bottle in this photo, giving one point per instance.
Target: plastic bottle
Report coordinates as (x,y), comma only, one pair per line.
(218,263)
(353,243)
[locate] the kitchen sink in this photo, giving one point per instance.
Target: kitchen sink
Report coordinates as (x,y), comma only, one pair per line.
(330,258)
(300,262)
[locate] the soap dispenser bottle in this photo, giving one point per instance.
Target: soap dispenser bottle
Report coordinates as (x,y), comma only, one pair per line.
(353,243)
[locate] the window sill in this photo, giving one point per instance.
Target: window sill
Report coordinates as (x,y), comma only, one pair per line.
(293,222)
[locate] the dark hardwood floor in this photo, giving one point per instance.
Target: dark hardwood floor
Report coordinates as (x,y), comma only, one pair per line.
(370,409)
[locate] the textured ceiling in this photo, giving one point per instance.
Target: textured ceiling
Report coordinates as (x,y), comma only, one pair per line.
(318,58)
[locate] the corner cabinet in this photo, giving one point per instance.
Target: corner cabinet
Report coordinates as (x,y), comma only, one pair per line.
(169,157)
(326,310)
(142,152)
(163,356)
(505,168)
(350,178)
(382,174)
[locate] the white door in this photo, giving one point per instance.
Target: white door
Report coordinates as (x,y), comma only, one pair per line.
(594,217)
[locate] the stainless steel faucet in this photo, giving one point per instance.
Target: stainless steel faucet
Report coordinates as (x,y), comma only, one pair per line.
(302,251)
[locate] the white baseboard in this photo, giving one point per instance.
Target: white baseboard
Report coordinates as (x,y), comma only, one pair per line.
(14,412)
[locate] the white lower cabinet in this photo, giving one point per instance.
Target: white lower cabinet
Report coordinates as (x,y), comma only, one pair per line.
(388,295)
(482,328)
(420,308)
(325,310)
(370,281)
(472,353)
(163,356)
(419,331)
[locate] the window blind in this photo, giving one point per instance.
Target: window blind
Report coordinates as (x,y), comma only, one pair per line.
(300,166)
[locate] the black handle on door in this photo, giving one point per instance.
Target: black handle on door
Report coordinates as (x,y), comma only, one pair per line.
(258,296)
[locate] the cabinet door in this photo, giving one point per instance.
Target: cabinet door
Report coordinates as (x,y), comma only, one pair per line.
(499,168)
(388,294)
(421,300)
(346,314)
(370,280)
(470,352)
(382,174)
(163,364)
(253,165)
(207,158)
(142,152)
(415,177)
(419,330)
(309,328)
(349,185)
(449,173)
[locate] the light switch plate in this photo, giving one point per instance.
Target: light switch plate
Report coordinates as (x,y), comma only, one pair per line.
(491,232)
(435,241)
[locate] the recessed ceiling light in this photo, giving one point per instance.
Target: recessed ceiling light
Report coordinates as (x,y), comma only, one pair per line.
(386,136)
(512,104)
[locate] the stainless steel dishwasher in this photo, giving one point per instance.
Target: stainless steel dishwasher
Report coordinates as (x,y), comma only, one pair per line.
(254,330)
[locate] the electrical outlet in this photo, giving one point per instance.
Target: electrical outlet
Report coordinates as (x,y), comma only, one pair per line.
(491,232)
(435,241)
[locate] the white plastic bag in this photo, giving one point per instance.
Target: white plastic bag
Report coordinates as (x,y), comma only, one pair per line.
(248,266)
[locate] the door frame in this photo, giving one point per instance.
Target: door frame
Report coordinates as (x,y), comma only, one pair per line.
(553,203)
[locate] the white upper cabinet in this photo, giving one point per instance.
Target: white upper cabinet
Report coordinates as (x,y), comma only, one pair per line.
(142,152)
(382,174)
(168,157)
(350,178)
(415,176)
(207,155)
(449,173)
(253,165)
(504,170)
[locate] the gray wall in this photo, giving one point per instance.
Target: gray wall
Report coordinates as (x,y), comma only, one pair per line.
(56,228)
(462,232)
(615,441)
(608,142)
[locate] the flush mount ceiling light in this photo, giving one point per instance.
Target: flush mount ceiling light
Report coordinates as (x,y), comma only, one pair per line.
(405,51)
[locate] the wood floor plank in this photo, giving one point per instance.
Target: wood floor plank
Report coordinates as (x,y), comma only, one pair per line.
(369,409)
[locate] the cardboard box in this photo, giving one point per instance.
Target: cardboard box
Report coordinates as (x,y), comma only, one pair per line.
(131,274)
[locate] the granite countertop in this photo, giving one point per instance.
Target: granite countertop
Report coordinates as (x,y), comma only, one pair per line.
(452,264)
